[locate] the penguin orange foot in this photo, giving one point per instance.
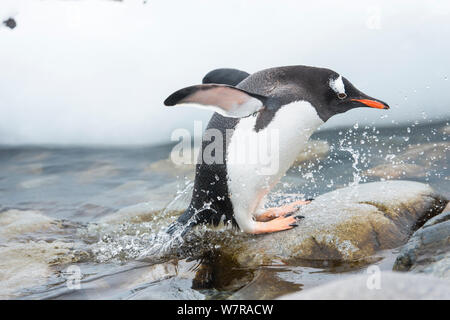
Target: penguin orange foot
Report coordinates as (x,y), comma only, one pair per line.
(283,211)
(277,224)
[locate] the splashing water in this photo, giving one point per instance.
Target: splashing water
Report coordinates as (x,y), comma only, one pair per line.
(163,242)
(181,194)
(144,237)
(356,157)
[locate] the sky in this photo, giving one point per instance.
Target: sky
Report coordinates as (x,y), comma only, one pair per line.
(97,72)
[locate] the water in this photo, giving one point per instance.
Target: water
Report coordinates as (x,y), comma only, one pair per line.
(105,210)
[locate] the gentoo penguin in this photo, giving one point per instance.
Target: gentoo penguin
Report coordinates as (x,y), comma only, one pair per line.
(290,101)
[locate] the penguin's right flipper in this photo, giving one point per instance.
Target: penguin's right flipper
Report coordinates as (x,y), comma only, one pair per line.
(226,100)
(228,76)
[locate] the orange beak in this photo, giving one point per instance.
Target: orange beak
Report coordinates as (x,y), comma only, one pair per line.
(372,103)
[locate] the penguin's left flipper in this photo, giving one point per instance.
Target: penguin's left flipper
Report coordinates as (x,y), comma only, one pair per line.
(282,211)
(224,99)
(228,76)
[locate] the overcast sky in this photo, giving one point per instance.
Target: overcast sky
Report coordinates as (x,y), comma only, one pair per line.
(96,72)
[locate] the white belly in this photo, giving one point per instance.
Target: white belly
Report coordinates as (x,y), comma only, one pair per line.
(257,160)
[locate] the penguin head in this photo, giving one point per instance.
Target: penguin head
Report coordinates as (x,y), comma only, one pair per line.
(331,93)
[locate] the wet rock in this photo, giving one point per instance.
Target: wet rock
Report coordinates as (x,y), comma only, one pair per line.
(24,265)
(170,280)
(14,223)
(170,289)
(344,225)
(265,285)
(218,272)
(428,250)
(441,217)
(392,286)
(416,162)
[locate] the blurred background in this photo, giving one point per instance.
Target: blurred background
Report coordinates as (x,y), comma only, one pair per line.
(96,71)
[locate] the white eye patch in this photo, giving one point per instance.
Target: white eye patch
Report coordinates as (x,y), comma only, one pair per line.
(337,85)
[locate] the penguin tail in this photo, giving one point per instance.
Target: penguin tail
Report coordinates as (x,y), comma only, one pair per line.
(178,229)
(183,224)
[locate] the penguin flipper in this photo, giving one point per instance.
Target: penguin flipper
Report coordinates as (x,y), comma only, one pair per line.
(228,76)
(226,100)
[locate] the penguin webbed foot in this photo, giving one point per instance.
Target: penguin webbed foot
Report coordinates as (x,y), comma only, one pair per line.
(275,225)
(283,211)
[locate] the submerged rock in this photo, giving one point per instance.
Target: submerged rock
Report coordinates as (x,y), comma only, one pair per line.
(24,265)
(416,162)
(14,223)
(391,286)
(428,250)
(26,260)
(265,285)
(345,225)
(170,280)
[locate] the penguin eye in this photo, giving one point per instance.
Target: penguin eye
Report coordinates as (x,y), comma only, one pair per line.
(342,95)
